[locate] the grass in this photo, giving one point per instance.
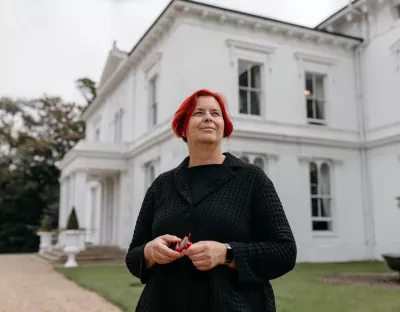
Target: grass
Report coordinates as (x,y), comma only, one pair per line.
(299,291)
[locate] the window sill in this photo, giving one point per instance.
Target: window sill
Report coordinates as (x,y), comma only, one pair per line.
(324,234)
(316,122)
(248,117)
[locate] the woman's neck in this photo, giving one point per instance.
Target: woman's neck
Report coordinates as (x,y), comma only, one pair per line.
(205,155)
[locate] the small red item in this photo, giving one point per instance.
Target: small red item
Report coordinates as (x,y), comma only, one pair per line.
(184,244)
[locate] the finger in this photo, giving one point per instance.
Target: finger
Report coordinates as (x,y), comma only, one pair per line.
(205,267)
(168,252)
(197,257)
(194,249)
(200,263)
(160,258)
(171,238)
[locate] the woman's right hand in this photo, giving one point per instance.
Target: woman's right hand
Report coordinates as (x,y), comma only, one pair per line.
(157,250)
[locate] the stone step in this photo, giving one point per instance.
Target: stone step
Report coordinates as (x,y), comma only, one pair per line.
(92,254)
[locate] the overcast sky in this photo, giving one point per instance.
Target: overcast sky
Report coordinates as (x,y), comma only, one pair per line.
(46,44)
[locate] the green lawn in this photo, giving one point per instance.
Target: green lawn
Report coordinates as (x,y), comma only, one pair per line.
(299,291)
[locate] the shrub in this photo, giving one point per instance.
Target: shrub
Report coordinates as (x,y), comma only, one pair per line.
(72,223)
(47,224)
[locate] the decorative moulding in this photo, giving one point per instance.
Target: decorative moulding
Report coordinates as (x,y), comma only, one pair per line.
(151,62)
(237,46)
(332,161)
(312,58)
(265,156)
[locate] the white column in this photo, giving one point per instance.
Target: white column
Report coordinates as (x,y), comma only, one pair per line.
(80,195)
(125,208)
(62,210)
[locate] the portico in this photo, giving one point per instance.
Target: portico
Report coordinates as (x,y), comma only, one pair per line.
(90,181)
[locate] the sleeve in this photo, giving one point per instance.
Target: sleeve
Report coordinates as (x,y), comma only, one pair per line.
(134,259)
(272,252)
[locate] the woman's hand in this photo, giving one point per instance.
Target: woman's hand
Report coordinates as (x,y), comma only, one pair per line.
(157,250)
(205,255)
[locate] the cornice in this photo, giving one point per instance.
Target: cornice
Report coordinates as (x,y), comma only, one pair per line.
(178,8)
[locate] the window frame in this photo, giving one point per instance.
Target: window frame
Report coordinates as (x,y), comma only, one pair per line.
(152,108)
(255,53)
(315,99)
(248,89)
(320,196)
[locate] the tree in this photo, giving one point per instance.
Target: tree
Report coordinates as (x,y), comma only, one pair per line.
(87,87)
(34,136)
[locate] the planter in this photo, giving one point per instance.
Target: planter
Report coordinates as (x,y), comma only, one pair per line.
(46,239)
(72,246)
(392,261)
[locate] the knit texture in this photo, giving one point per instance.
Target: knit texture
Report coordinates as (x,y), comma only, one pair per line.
(240,207)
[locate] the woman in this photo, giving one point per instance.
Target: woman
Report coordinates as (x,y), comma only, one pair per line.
(240,236)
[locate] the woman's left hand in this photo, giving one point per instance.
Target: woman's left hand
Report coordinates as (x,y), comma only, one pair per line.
(206,254)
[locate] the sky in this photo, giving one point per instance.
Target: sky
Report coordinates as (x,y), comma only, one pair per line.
(45,45)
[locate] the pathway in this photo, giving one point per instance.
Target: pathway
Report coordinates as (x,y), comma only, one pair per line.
(28,284)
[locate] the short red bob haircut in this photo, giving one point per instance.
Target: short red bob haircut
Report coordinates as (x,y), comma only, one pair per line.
(185,111)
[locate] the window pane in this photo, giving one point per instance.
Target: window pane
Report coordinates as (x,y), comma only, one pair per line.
(243,102)
(314,189)
(319,110)
(154,114)
(310,109)
(243,74)
(255,103)
(245,159)
(309,84)
(259,162)
(314,207)
(325,205)
(313,174)
(256,77)
(319,87)
(321,226)
(325,181)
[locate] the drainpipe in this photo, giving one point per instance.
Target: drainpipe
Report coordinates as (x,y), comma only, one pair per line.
(367,194)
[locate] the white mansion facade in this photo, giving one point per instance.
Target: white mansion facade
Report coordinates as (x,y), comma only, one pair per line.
(317,108)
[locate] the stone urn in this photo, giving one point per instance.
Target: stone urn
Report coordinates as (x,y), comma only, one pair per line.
(71,247)
(46,241)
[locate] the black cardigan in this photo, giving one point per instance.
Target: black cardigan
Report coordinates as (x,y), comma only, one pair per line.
(241,208)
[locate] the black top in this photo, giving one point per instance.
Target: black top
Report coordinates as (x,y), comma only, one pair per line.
(238,206)
(199,178)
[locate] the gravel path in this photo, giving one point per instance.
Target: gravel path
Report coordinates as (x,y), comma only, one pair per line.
(28,284)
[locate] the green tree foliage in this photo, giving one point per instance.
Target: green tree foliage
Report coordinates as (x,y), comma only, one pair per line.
(34,136)
(87,87)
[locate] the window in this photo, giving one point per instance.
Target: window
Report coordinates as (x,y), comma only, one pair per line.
(315,98)
(118,117)
(249,88)
(150,173)
(97,134)
(153,101)
(258,161)
(397,10)
(321,199)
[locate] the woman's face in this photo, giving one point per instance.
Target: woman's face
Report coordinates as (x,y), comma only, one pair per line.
(206,125)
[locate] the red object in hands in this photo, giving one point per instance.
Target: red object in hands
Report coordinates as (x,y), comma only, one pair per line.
(184,244)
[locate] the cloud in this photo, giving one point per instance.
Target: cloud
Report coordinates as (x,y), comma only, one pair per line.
(48,44)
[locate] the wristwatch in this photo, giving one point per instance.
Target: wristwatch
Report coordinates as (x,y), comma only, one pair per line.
(229,254)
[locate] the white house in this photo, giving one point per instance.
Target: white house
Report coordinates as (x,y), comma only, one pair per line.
(317,108)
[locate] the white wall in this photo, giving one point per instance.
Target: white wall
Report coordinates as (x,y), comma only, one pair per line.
(380,67)
(384,165)
(205,61)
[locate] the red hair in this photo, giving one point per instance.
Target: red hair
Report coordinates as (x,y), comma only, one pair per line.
(185,111)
